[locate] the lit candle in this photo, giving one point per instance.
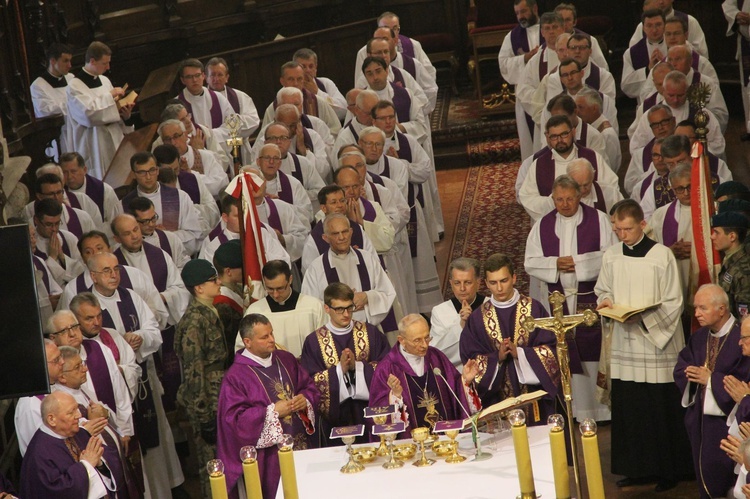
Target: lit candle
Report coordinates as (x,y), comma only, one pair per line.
(517,420)
(286,463)
(591,458)
(249,458)
(559,456)
(216,478)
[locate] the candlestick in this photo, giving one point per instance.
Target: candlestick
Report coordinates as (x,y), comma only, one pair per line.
(559,457)
(216,478)
(517,420)
(286,463)
(591,458)
(249,458)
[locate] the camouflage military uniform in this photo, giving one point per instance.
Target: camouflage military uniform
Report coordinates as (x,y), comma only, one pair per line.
(199,343)
(735,280)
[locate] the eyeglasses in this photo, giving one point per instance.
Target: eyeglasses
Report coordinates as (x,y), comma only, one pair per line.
(148,221)
(53,194)
(661,123)
(109,271)
(380,52)
(193,76)
(376,145)
(78,367)
(390,117)
(277,138)
(66,330)
(51,225)
(745,337)
(420,341)
(172,138)
(571,73)
(559,136)
(270,159)
(341,310)
(215,279)
(578,48)
(56,360)
(147,173)
(681,190)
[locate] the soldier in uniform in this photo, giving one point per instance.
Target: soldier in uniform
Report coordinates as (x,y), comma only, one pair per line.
(230,302)
(728,231)
(201,346)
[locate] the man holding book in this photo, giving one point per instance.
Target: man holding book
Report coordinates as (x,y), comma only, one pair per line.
(638,273)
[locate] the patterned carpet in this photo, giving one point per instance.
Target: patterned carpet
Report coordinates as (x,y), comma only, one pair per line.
(490,220)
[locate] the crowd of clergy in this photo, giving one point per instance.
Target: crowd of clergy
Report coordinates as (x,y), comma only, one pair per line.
(149,322)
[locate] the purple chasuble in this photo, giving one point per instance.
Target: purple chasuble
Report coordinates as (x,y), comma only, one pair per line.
(246,392)
(144,415)
(585,345)
(713,468)
(422,394)
(217,118)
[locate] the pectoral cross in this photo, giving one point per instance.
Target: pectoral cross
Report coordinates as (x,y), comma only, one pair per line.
(560,325)
(428,401)
(149,415)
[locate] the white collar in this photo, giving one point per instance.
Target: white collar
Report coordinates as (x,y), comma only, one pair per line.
(267,362)
(338,330)
(725,328)
(509,303)
(46,429)
(415,361)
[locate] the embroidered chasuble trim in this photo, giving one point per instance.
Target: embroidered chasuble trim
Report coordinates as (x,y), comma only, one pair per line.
(322,383)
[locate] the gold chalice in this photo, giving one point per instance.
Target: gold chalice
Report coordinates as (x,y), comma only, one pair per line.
(382,449)
(420,435)
(455,457)
(392,463)
(352,466)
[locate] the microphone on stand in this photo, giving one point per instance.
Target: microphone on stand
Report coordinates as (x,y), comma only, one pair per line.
(479,456)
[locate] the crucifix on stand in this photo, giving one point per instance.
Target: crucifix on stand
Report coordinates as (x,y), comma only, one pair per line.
(560,325)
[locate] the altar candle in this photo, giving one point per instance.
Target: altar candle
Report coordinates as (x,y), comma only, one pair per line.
(218,486)
(559,456)
(591,458)
(252,479)
(288,473)
(523,454)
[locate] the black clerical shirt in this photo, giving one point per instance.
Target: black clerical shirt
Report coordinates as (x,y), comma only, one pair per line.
(289,304)
(640,249)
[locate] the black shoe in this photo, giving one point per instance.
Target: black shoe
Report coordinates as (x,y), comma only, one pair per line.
(441,235)
(745,137)
(665,484)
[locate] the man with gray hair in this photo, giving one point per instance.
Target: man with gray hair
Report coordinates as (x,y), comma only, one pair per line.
(374,294)
(361,119)
(564,253)
(590,107)
(601,197)
(662,123)
(677,148)
(712,353)
(217,73)
(449,318)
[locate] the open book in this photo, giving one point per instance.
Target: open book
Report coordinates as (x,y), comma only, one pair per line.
(128,99)
(508,404)
(621,313)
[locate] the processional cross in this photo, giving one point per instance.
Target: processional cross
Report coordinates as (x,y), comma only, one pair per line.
(560,325)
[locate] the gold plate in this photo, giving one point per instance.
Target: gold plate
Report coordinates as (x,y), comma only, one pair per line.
(365,454)
(405,451)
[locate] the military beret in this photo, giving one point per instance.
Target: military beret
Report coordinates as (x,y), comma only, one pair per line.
(734,204)
(229,254)
(729,219)
(730,187)
(197,272)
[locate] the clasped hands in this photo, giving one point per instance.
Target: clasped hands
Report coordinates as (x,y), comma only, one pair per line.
(286,407)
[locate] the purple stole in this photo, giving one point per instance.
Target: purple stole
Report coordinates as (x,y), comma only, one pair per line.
(218,232)
(646,157)
(409,65)
(164,241)
(404,152)
(95,190)
(639,54)
(407,46)
(669,229)
(65,248)
(297,172)
(542,65)
(144,415)
(663,194)
(350,126)
(234,101)
(320,84)
(369,210)
(412,192)
(696,78)
(696,60)
(519,40)
(73,224)
(125,281)
(285,193)
(39,264)
(545,168)
(307,125)
(217,118)
(309,103)
(600,204)
(73,199)
(402,103)
(375,193)
(713,166)
(170,205)
(98,369)
(156,262)
(594,79)
(273,215)
(650,101)
(389,323)
(588,237)
(189,184)
(584,133)
(398,77)
(317,235)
